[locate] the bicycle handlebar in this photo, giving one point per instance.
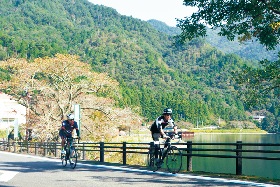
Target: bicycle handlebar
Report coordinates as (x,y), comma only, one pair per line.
(73,139)
(172,136)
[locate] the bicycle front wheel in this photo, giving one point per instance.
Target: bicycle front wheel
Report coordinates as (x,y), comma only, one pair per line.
(151,159)
(73,159)
(174,160)
(63,160)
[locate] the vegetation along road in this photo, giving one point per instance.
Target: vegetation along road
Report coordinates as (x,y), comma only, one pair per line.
(23,170)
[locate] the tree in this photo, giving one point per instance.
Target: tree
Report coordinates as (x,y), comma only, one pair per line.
(248,19)
(49,87)
(255,85)
(268,123)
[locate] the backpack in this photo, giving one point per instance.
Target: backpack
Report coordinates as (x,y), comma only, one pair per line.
(153,127)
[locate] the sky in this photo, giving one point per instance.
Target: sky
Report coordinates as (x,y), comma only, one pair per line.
(163,10)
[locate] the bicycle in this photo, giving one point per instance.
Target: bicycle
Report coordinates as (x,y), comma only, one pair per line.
(69,147)
(172,154)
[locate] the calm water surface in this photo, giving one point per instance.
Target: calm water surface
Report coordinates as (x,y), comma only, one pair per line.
(264,168)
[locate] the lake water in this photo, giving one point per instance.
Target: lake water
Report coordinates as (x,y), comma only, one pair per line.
(264,168)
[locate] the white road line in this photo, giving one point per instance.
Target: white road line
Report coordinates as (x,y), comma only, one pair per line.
(5,176)
(151,172)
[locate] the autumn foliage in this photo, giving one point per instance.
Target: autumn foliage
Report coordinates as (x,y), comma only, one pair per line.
(49,87)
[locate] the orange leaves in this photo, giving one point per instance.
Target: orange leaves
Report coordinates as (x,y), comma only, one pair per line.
(50,87)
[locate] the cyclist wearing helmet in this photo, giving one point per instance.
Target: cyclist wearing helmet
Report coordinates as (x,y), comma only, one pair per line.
(158,126)
(66,130)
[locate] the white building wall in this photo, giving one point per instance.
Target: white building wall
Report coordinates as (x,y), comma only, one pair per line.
(9,111)
(258,118)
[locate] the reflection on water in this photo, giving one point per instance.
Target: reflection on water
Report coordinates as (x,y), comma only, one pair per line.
(264,168)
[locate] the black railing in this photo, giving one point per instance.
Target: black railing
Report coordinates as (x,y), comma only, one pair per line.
(51,149)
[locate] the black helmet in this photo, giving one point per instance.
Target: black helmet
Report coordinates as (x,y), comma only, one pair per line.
(167,111)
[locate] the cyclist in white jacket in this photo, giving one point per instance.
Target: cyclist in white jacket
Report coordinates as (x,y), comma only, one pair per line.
(158,126)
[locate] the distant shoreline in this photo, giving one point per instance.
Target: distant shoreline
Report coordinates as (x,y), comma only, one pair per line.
(229,133)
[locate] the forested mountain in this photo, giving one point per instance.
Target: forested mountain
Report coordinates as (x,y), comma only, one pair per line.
(163,27)
(249,50)
(194,79)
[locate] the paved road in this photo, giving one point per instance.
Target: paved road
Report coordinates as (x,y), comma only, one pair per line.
(28,170)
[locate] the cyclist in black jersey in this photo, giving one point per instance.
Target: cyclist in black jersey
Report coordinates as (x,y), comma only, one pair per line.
(66,130)
(158,126)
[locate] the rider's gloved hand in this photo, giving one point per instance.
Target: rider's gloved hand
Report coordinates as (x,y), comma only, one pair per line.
(176,136)
(164,136)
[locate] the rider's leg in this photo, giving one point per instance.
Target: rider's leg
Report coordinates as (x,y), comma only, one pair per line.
(70,145)
(62,142)
(156,143)
(157,147)
(164,151)
(72,152)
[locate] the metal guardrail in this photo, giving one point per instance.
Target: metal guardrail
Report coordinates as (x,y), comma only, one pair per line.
(51,148)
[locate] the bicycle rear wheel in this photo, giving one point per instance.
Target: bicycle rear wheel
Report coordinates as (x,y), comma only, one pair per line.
(151,159)
(174,160)
(73,158)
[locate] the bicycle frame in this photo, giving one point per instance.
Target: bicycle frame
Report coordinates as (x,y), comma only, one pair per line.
(167,146)
(68,145)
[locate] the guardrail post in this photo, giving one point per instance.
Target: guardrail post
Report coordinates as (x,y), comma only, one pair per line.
(5,146)
(189,157)
(101,151)
(8,145)
(20,144)
(45,148)
(15,147)
(239,160)
(36,148)
(124,153)
(55,150)
(27,147)
(84,152)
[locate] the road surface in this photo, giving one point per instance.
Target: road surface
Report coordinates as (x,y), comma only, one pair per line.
(36,171)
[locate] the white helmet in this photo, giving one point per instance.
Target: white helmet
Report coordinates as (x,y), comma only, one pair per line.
(70,116)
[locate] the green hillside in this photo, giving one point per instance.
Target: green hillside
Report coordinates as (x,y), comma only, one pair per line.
(249,50)
(194,79)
